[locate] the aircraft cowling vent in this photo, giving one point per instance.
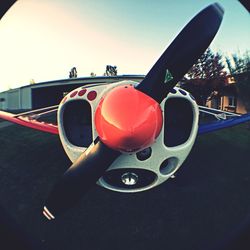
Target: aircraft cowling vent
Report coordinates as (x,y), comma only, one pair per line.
(77,123)
(178,121)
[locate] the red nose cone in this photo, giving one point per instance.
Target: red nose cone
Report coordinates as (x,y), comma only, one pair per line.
(127,119)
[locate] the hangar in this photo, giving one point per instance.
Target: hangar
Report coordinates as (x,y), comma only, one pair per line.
(50,93)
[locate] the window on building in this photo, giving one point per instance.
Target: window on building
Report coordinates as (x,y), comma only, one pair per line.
(231,101)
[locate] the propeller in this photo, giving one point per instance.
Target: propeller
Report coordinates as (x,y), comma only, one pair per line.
(79,178)
(182,53)
(129,119)
(5,7)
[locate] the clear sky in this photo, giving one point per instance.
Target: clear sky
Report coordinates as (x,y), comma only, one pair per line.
(43,40)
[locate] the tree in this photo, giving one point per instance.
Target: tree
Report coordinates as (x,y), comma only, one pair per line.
(73,73)
(208,66)
(32,81)
(239,68)
(111,70)
(92,74)
(206,77)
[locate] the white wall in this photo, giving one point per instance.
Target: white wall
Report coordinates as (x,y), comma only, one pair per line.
(25,98)
(16,99)
(3,104)
(13,99)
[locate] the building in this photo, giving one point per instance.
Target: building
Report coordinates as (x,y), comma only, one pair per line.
(50,93)
(228,99)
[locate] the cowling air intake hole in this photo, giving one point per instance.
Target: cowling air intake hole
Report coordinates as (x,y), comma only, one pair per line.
(169,166)
(77,121)
(178,121)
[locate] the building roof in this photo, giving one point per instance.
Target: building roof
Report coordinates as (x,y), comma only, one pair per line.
(78,80)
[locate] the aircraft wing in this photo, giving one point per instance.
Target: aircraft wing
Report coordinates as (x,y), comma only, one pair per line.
(36,119)
(32,119)
(221,119)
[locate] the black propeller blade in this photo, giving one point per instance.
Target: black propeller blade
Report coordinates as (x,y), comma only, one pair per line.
(182,53)
(5,6)
(79,178)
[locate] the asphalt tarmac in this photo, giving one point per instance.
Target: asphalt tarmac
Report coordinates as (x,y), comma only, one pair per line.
(206,201)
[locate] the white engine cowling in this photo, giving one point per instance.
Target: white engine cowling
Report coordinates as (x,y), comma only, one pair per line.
(137,171)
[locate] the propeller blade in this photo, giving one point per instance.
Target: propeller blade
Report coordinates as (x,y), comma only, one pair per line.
(182,53)
(79,178)
(5,7)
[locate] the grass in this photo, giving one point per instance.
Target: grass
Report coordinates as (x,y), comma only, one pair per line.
(208,198)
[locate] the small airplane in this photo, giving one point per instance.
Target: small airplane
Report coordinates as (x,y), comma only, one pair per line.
(129,136)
